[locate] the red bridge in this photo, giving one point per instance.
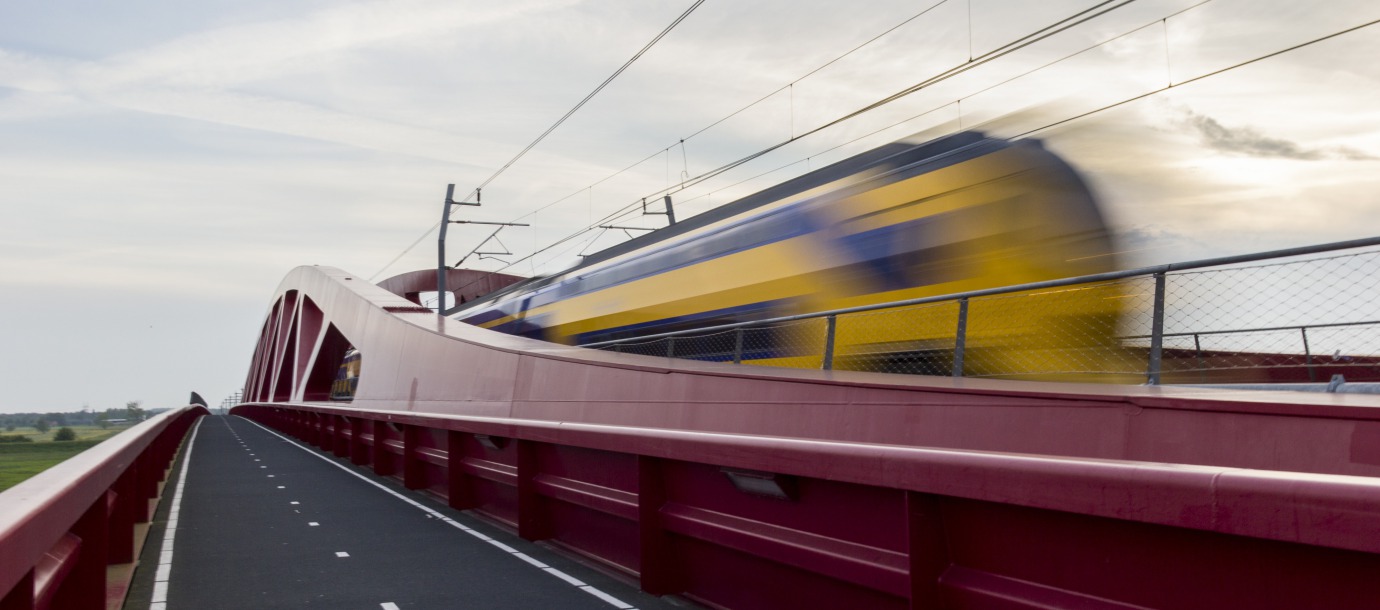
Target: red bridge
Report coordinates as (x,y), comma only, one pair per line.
(752,487)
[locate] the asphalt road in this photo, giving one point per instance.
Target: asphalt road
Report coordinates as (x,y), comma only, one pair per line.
(264,522)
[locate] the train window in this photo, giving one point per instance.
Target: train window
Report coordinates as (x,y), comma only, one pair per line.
(347,376)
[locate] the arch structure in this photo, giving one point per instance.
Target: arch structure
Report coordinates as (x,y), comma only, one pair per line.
(755,487)
(465,285)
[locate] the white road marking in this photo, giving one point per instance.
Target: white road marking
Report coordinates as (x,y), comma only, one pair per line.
(503,546)
(530,559)
(282,487)
(294,502)
(566,577)
(614,601)
(165,556)
(313,523)
(341,554)
(611,600)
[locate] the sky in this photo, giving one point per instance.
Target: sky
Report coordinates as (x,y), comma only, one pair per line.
(163,165)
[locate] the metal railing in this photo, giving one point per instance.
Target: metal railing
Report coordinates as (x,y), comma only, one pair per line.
(1204,321)
(61,528)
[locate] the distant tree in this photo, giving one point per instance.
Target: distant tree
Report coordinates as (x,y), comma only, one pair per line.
(65,434)
(42,426)
(60,419)
(103,420)
(9,427)
(136,413)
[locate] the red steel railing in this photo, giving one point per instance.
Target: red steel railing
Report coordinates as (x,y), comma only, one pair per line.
(749,521)
(62,529)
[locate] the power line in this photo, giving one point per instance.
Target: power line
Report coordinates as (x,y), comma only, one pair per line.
(558,123)
(1057,27)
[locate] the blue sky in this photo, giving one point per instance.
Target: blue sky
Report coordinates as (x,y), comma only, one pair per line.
(163,165)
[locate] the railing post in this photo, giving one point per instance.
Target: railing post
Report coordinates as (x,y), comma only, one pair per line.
(927,547)
(658,570)
(830,325)
(1198,358)
(532,517)
(381,456)
(414,477)
(344,436)
(1308,355)
(84,586)
(961,337)
(359,452)
(1152,373)
(458,495)
(21,597)
(670,347)
(738,345)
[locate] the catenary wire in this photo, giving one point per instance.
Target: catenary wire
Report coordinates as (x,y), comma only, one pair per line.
(553,126)
(1062,25)
(681,143)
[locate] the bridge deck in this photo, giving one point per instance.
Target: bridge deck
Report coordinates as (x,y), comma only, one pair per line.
(264,522)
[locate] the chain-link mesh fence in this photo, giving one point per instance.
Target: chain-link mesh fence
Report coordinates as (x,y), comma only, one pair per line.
(1293,321)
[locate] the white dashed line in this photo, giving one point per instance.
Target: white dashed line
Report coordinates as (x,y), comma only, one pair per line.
(611,600)
(313,524)
(341,554)
(159,601)
(294,502)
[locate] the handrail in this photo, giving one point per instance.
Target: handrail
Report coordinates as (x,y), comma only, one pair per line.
(1241,501)
(1262,329)
(47,509)
(1071,281)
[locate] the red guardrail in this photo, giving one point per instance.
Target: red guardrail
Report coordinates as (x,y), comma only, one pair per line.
(61,529)
(747,521)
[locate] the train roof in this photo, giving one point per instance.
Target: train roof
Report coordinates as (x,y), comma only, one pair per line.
(896,154)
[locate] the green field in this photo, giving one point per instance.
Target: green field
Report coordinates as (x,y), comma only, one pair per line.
(19,461)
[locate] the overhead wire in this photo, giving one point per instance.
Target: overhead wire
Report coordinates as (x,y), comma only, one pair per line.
(1103,108)
(553,126)
(1041,34)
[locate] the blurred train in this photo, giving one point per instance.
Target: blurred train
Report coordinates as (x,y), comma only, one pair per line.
(346,376)
(907,220)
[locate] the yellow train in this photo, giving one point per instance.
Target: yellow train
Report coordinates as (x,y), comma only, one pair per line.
(903,221)
(346,376)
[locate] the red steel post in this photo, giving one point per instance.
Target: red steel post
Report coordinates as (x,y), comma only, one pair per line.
(414,476)
(458,492)
(84,586)
(21,597)
(657,572)
(532,517)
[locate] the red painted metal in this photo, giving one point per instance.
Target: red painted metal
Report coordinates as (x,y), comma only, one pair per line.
(871,490)
(60,529)
(464,284)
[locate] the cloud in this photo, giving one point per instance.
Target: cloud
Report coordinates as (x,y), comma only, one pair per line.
(1251,142)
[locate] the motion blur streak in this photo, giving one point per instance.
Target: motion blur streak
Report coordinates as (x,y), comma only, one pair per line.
(907,220)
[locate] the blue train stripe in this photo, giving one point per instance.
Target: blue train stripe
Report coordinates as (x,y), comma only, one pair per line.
(727,315)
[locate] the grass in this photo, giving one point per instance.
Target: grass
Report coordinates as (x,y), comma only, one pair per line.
(19,461)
